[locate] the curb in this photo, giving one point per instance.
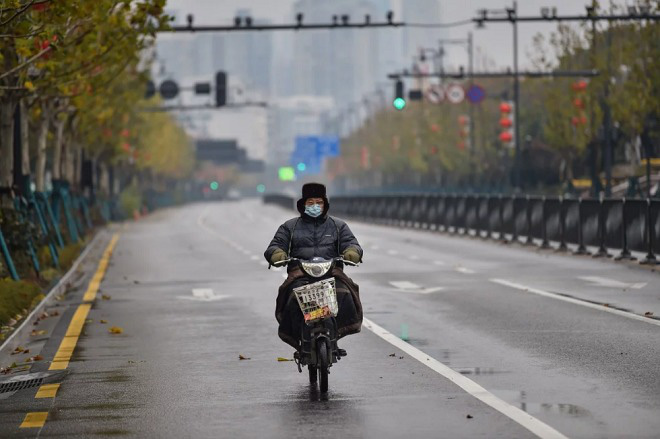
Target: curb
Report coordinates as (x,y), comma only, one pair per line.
(59,287)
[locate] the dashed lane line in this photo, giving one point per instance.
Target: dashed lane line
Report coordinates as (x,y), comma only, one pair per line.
(596,306)
(34,420)
(47,391)
(527,421)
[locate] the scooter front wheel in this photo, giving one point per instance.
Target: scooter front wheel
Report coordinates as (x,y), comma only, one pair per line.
(322,355)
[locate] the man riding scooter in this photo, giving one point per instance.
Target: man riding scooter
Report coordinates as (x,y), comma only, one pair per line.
(315,234)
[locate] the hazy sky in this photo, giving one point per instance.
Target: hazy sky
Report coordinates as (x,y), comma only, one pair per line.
(495,39)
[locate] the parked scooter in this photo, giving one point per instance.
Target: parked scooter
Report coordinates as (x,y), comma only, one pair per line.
(318,302)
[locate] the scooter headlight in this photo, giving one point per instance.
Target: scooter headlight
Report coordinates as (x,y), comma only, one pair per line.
(316,269)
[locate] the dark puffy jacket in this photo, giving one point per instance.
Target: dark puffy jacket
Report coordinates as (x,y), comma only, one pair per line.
(324,237)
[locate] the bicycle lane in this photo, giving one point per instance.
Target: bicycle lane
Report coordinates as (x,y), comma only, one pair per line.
(27,393)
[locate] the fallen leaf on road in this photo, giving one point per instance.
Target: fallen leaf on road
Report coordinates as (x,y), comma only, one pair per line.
(54,313)
(606,304)
(648,313)
(105,297)
(136,282)
(115,330)
(283,359)
(103,321)
(392,355)
(241,357)
(39,332)
(469,416)
(89,321)
(18,350)
(37,358)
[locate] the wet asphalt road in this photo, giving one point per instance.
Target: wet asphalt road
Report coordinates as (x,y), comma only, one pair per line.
(175,371)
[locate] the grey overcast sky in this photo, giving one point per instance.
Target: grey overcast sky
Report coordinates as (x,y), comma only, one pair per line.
(495,40)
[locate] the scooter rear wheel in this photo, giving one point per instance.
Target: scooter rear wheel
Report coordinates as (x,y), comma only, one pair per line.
(312,374)
(322,356)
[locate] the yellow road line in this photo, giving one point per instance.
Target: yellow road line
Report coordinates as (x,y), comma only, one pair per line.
(95,283)
(68,344)
(34,420)
(47,391)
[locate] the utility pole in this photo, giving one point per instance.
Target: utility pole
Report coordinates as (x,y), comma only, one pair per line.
(473,145)
(513,13)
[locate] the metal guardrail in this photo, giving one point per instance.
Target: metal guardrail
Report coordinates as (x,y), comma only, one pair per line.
(608,224)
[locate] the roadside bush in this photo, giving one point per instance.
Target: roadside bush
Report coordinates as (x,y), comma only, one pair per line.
(130,199)
(17,298)
(69,254)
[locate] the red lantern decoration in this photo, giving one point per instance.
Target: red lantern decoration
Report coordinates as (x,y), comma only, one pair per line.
(461,145)
(126,147)
(505,107)
(136,154)
(435,128)
(434,150)
(125,133)
(506,136)
(578,103)
(575,120)
(583,119)
(506,123)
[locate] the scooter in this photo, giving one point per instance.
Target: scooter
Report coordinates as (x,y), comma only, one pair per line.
(318,302)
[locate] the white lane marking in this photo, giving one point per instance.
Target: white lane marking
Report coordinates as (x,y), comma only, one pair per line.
(413,257)
(595,306)
(264,263)
(526,420)
(404,285)
(254,258)
(439,262)
(375,247)
(611,283)
(392,252)
(410,287)
(203,295)
(464,270)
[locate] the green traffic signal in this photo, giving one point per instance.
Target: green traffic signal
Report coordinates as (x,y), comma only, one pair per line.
(214,185)
(399,103)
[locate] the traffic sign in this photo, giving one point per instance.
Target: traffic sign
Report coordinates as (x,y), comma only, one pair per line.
(169,89)
(435,94)
(455,93)
(476,94)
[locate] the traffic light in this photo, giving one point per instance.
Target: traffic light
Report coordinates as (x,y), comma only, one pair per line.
(579,89)
(506,122)
(220,89)
(399,101)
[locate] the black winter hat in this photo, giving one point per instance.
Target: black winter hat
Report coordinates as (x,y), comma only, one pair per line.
(313,190)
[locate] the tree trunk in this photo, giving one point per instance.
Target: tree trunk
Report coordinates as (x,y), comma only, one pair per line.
(57,152)
(25,139)
(104,181)
(69,161)
(7,108)
(42,137)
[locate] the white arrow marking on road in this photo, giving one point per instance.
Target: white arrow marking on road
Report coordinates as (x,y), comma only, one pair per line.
(464,270)
(410,287)
(611,283)
(203,295)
